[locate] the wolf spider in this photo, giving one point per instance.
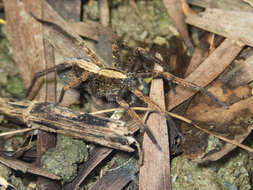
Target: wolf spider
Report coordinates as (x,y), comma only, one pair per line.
(101,80)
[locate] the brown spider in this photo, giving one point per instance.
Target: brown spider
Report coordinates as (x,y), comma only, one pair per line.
(103,81)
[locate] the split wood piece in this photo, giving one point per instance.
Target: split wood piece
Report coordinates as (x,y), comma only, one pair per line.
(212,67)
(97,155)
(48,117)
(103,131)
(155,172)
(26,167)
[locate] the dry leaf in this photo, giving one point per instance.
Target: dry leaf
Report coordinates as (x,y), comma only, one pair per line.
(222,4)
(206,72)
(174,8)
(235,25)
(234,123)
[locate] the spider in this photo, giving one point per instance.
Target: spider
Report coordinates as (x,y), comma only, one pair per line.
(101,80)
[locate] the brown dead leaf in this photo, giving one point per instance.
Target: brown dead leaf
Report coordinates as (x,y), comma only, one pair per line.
(199,55)
(240,75)
(206,72)
(235,25)
(118,177)
(25,38)
(234,123)
(92,30)
(174,8)
(222,4)
(69,10)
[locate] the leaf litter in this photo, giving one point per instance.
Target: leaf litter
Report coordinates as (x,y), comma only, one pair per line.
(225,74)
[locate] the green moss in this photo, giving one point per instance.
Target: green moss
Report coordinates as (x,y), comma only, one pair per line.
(62,160)
(15,86)
(189,175)
(231,173)
(136,18)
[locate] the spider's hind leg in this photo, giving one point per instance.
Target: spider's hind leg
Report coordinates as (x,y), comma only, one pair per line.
(37,75)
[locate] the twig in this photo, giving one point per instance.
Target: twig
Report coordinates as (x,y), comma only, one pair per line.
(26,167)
(186,120)
(16,132)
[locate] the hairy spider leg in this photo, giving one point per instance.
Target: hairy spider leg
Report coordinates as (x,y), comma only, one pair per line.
(90,53)
(79,42)
(154,106)
(170,77)
(146,56)
(182,82)
(73,84)
(135,116)
(37,75)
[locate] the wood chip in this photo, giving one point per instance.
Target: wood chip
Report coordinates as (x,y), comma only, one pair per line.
(155,172)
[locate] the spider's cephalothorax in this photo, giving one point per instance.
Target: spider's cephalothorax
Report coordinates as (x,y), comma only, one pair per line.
(99,80)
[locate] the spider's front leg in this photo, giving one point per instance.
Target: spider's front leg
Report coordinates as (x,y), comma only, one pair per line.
(171,78)
(135,116)
(182,82)
(147,56)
